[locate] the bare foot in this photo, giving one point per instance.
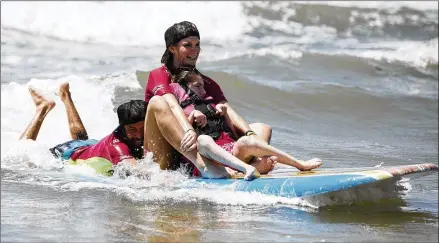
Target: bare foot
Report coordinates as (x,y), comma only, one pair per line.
(42,103)
(232,172)
(251,173)
(264,164)
(214,171)
(64,91)
(311,164)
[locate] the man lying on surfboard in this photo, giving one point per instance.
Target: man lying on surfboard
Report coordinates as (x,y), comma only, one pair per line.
(123,145)
(217,138)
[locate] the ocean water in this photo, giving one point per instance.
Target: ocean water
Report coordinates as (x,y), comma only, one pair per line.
(353,83)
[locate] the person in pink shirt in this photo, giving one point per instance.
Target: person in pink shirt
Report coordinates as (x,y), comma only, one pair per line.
(182,49)
(217,139)
(123,145)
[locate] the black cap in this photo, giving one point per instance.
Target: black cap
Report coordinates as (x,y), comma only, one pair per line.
(176,33)
(132,112)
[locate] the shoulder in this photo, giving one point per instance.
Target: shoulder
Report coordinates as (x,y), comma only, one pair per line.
(213,89)
(158,82)
(114,140)
(118,147)
(210,84)
(160,72)
(209,81)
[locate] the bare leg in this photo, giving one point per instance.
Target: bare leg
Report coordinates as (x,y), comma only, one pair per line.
(208,148)
(77,129)
(162,133)
(263,130)
(263,164)
(247,146)
(43,106)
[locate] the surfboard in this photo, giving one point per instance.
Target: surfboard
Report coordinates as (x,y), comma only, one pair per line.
(286,183)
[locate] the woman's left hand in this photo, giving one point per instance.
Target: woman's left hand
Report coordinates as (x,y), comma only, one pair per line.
(189,141)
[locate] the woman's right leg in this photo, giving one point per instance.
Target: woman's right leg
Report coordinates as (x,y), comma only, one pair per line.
(43,106)
(77,129)
(163,133)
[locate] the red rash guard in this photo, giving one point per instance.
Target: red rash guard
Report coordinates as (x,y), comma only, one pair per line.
(109,148)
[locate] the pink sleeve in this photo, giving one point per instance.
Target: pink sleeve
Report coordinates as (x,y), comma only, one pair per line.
(118,152)
(181,96)
(177,91)
(158,83)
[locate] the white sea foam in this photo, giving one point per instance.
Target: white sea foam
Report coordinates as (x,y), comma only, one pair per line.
(418,5)
(143,24)
(135,23)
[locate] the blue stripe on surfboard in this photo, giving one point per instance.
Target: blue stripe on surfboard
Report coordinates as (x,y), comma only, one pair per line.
(291,186)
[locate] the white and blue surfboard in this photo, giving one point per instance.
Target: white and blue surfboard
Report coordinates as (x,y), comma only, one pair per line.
(302,184)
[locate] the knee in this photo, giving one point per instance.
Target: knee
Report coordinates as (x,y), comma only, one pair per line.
(246,142)
(157,103)
(261,127)
(204,143)
(263,130)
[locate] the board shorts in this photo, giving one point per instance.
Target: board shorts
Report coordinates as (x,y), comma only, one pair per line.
(65,150)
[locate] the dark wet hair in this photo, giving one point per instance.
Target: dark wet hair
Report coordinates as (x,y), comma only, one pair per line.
(173,35)
(132,112)
(182,73)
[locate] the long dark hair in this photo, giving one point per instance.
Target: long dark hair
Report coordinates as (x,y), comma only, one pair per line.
(167,59)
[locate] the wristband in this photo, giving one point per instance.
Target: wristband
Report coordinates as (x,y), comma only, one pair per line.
(249,132)
(189,130)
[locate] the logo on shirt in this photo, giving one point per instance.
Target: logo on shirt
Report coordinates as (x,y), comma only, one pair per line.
(157,88)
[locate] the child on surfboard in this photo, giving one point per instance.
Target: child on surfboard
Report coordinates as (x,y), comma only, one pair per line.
(217,137)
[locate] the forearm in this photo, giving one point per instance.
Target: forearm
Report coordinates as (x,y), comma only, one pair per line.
(178,111)
(191,118)
(230,123)
(238,122)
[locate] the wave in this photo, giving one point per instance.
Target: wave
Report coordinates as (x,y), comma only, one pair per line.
(397,32)
(133,23)
(129,23)
(420,55)
(351,73)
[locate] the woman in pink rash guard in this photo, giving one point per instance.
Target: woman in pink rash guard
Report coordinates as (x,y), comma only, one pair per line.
(182,50)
